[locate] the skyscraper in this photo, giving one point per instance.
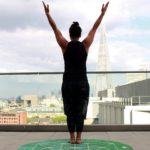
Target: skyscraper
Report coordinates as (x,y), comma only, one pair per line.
(103,81)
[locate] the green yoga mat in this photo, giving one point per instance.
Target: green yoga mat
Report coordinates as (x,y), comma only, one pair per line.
(88,144)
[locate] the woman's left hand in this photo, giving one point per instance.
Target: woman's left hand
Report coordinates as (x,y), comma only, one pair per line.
(46,8)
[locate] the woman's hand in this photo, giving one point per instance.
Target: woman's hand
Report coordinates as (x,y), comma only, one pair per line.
(46,8)
(104,8)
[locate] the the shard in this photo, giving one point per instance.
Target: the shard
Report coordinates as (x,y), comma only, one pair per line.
(103,80)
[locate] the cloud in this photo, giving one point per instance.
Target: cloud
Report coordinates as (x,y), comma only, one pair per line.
(122,13)
(28,49)
(128,32)
(20,14)
(27,43)
(30,13)
(24,14)
(128,56)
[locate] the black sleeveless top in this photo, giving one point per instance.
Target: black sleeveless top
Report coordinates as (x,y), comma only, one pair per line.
(75,58)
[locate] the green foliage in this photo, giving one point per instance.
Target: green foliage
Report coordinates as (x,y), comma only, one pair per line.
(29,120)
(47,117)
(59,119)
(52,105)
(35,117)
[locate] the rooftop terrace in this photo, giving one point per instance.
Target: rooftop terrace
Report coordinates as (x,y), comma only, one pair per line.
(12,140)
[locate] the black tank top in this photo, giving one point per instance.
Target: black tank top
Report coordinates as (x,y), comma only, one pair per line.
(75,58)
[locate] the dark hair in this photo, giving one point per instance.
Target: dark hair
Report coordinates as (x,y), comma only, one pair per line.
(75,30)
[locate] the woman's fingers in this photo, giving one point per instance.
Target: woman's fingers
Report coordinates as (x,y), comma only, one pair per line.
(104,7)
(47,6)
(107,4)
(44,4)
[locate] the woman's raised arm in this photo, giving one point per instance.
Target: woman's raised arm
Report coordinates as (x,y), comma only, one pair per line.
(62,42)
(90,37)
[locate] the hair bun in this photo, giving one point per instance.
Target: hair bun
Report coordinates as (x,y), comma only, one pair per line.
(75,23)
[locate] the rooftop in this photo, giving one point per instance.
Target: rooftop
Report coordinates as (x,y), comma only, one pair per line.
(12,140)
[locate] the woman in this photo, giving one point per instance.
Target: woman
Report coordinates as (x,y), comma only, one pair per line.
(75,86)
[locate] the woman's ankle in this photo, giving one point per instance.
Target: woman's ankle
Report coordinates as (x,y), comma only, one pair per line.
(79,134)
(78,138)
(72,138)
(72,135)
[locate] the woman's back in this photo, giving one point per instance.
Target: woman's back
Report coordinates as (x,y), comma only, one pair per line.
(75,57)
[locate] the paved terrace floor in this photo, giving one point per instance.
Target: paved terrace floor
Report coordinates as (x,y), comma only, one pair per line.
(12,140)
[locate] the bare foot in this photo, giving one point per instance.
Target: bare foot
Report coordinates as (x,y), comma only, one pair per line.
(78,141)
(72,141)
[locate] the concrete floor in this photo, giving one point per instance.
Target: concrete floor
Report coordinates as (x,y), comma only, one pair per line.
(12,140)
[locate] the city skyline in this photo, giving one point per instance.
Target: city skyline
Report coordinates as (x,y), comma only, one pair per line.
(19,85)
(27,43)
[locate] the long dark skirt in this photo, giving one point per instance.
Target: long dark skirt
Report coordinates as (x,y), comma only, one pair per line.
(75,98)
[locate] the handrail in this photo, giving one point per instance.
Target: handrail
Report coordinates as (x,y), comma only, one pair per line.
(61,72)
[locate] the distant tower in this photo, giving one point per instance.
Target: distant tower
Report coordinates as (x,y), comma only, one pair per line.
(103,81)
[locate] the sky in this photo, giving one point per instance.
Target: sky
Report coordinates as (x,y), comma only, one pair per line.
(27,42)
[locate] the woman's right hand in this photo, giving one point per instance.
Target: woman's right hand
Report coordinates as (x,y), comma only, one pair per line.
(104,8)
(46,8)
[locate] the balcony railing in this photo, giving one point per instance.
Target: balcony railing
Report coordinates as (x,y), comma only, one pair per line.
(118,100)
